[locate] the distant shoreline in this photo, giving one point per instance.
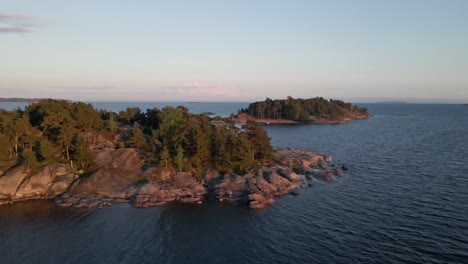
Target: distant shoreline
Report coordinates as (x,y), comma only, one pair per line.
(242,119)
(20,100)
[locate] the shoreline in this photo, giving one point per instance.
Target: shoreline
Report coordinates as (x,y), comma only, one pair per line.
(243,118)
(122,177)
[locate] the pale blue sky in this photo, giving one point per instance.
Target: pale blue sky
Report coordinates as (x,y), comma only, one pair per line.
(234,50)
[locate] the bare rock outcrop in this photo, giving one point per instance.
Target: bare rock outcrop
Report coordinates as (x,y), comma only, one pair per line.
(255,189)
(129,175)
(17,184)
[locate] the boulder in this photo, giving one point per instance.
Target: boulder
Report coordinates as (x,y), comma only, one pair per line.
(288,174)
(231,186)
(326,176)
(36,185)
(263,185)
(258,201)
(294,192)
(16,184)
(184,179)
(166,175)
(304,169)
(310,159)
(118,169)
(11,180)
(338,172)
(210,175)
(189,199)
(61,169)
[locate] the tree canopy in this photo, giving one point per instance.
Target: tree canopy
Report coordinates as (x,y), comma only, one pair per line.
(54,131)
(302,109)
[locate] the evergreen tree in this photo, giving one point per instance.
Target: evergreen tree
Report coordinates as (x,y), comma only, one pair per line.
(165,157)
(85,116)
(14,125)
(152,118)
(6,150)
(302,109)
(246,154)
(259,141)
(172,128)
(220,154)
(111,123)
(48,152)
(81,153)
(65,140)
(30,161)
(179,158)
(137,138)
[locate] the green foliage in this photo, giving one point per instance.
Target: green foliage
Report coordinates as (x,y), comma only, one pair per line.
(85,116)
(131,115)
(16,127)
(165,157)
(302,109)
(172,128)
(6,150)
(48,151)
(52,131)
(30,161)
(111,123)
(259,141)
(137,138)
(179,158)
(152,118)
(81,153)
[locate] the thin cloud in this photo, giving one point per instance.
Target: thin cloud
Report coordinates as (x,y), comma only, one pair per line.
(16,23)
(212,91)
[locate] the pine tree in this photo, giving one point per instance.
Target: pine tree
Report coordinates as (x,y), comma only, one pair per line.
(172,128)
(111,123)
(259,141)
(81,153)
(30,161)
(65,141)
(48,151)
(137,138)
(179,158)
(165,156)
(6,150)
(246,154)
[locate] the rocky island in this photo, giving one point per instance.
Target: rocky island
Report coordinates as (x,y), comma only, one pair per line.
(301,111)
(20,100)
(82,157)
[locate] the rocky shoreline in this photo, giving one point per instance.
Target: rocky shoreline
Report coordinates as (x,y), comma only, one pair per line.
(124,175)
(242,119)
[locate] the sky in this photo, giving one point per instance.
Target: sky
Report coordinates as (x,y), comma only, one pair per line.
(111,50)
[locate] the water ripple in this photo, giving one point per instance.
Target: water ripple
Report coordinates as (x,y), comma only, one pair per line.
(403,201)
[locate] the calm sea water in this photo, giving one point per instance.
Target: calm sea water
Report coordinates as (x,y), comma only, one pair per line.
(404,200)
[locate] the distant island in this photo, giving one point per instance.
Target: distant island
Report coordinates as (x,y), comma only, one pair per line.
(20,100)
(299,111)
(83,157)
(392,102)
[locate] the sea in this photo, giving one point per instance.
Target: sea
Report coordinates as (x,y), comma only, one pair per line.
(404,199)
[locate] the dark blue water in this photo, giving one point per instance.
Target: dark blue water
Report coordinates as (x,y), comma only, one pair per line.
(404,200)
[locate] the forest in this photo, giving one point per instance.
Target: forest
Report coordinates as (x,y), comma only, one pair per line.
(52,131)
(302,109)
